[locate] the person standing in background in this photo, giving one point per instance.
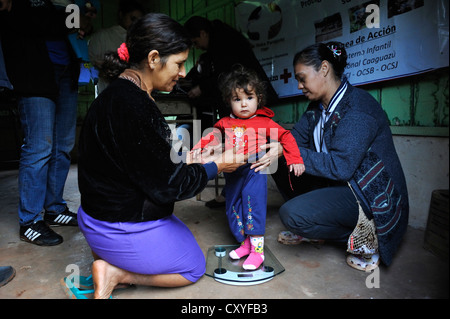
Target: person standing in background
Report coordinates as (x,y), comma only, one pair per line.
(7,273)
(43,70)
(109,39)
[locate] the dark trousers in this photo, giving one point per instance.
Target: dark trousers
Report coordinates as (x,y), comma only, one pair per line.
(316,208)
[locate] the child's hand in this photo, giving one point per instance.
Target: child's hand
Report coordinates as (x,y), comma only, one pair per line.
(297,168)
(196,153)
(194,157)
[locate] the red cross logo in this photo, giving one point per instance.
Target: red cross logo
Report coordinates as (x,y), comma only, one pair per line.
(285,76)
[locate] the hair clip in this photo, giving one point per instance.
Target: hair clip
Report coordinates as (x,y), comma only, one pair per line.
(122,51)
(335,51)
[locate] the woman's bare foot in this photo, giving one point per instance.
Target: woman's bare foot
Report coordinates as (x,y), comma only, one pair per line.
(106,278)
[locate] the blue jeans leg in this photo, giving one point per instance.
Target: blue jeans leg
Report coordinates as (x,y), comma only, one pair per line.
(35,115)
(64,134)
(329,213)
(49,135)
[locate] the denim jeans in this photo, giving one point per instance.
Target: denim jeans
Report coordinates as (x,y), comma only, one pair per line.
(329,213)
(49,128)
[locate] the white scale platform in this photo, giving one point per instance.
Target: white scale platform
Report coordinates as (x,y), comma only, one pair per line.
(228,271)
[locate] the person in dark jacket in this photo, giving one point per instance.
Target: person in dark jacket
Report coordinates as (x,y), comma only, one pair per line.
(129,178)
(226,47)
(348,150)
(43,70)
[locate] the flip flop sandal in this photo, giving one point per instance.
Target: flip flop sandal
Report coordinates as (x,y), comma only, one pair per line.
(287,237)
(74,292)
(362,263)
(84,282)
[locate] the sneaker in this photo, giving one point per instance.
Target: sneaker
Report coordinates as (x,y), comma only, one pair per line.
(66,218)
(40,234)
(7,273)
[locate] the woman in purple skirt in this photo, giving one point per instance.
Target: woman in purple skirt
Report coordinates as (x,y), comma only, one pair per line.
(128,179)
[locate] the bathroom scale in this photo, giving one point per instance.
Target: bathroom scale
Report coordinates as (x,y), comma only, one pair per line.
(229,271)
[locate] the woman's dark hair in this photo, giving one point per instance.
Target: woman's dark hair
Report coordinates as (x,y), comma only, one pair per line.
(333,52)
(154,31)
(242,78)
(196,24)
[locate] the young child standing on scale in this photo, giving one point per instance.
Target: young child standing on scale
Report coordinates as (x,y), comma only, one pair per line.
(249,126)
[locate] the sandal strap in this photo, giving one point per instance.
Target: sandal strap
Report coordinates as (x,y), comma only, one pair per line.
(363,263)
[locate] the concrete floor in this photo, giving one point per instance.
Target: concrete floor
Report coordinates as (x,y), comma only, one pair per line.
(310,271)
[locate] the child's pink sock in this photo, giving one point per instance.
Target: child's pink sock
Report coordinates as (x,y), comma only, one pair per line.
(242,251)
(256,257)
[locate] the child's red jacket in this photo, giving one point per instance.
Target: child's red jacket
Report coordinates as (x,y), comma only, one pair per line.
(247,135)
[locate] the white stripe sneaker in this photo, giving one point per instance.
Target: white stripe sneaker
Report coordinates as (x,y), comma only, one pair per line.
(66,218)
(40,234)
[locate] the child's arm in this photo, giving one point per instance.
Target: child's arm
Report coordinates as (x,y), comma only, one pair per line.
(291,150)
(211,139)
(210,142)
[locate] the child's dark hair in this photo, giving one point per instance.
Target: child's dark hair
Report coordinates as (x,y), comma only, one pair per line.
(333,52)
(154,31)
(242,78)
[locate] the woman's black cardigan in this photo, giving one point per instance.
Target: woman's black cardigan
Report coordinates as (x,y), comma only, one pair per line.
(127,170)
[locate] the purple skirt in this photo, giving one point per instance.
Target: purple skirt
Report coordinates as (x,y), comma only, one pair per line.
(164,246)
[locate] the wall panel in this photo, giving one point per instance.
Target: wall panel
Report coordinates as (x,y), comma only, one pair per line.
(415,105)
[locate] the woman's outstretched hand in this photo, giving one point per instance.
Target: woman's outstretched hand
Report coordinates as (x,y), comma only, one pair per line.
(275,150)
(227,161)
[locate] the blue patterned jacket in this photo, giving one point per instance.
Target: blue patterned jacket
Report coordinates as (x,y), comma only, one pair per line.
(360,151)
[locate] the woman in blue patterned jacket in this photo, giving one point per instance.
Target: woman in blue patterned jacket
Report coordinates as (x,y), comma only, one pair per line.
(345,139)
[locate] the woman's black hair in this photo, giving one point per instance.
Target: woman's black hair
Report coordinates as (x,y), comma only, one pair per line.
(314,55)
(154,31)
(242,78)
(196,24)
